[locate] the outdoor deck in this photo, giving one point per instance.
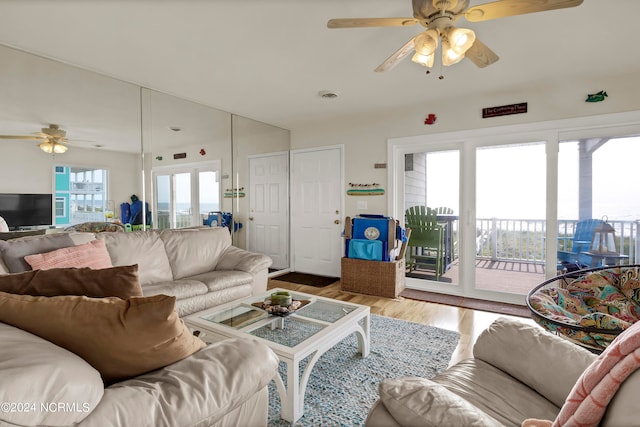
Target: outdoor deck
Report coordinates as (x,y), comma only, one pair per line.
(501,276)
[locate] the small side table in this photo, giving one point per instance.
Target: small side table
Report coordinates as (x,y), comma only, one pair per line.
(605,259)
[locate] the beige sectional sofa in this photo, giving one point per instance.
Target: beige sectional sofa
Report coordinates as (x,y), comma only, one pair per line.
(199,266)
(222,384)
(519,371)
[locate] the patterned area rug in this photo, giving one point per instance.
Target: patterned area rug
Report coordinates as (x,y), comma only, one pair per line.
(343,386)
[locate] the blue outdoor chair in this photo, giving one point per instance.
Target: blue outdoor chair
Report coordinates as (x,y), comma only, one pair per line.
(575,246)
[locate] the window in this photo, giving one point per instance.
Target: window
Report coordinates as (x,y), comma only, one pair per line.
(61,207)
(82,192)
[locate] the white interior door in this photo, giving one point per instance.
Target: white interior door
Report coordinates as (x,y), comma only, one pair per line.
(268,231)
(316,210)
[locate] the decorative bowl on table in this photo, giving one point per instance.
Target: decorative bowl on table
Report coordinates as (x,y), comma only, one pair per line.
(281,304)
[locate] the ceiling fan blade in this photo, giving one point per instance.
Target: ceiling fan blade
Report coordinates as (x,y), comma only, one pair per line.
(397,56)
(19,137)
(480,54)
(371,22)
(504,8)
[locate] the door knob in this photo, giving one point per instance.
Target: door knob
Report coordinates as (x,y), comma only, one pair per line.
(250,218)
(337,221)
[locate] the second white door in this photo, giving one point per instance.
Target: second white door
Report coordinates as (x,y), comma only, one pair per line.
(316,210)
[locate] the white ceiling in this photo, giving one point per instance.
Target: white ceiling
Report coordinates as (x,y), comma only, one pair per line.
(267,60)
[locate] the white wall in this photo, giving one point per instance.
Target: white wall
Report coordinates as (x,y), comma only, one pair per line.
(365,136)
(24,168)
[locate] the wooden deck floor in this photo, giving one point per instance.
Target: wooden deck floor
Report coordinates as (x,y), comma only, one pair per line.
(502,276)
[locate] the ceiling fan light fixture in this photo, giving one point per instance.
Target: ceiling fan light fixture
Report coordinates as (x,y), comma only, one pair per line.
(52,147)
(425,45)
(449,55)
(460,39)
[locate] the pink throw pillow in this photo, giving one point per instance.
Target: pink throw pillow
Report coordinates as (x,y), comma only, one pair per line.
(93,255)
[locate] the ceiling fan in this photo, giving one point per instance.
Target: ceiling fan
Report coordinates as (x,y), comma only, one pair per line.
(438,17)
(54,139)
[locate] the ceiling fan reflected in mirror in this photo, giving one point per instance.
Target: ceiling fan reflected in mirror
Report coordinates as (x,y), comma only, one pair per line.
(438,17)
(54,140)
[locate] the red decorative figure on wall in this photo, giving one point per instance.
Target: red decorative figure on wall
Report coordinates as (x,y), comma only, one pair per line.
(431,119)
(202,152)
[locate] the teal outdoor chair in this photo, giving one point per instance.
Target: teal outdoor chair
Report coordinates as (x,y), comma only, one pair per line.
(426,242)
(573,247)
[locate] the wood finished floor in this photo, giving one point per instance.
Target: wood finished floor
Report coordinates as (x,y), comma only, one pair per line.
(468,323)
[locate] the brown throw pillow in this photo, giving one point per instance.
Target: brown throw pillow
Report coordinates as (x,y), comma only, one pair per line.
(121,282)
(120,338)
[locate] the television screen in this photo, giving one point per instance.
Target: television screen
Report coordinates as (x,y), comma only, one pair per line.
(26,210)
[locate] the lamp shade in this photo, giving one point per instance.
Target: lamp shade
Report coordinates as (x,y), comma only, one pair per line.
(455,43)
(460,39)
(52,147)
(425,45)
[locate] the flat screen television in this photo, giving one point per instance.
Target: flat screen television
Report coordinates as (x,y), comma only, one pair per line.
(26,210)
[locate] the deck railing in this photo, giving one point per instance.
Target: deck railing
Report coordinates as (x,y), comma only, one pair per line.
(523,240)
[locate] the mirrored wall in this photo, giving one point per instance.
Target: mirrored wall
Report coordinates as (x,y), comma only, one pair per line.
(199,165)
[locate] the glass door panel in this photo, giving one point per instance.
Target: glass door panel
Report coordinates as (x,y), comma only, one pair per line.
(182,198)
(510,217)
(594,184)
(432,182)
(163,202)
(208,193)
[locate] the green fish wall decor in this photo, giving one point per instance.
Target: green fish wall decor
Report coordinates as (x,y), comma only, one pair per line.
(596,97)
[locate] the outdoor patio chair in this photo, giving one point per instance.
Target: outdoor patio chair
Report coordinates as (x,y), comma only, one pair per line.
(573,247)
(426,242)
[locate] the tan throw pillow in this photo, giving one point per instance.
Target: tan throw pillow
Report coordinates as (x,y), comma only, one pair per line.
(121,282)
(414,401)
(92,254)
(119,338)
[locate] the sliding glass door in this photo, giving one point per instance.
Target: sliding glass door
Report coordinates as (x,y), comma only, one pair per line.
(185,195)
(510,217)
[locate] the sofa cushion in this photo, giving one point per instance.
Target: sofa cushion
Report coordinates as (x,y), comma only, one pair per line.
(198,391)
(124,338)
(36,372)
(143,248)
(121,282)
(528,361)
(194,251)
(93,254)
(181,289)
(419,402)
(13,251)
(219,280)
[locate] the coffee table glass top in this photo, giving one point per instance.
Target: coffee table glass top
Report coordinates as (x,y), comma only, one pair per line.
(288,331)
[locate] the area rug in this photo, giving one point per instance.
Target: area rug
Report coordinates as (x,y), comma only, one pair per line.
(307,279)
(343,385)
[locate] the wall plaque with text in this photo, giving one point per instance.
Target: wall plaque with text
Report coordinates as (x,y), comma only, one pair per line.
(504,110)
(180,156)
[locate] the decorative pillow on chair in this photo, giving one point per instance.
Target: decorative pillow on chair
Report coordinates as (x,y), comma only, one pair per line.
(414,401)
(13,251)
(93,255)
(121,282)
(119,338)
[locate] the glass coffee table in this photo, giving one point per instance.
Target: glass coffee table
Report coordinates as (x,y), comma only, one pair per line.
(311,330)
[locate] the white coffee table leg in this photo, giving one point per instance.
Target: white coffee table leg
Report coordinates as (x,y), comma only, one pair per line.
(291,400)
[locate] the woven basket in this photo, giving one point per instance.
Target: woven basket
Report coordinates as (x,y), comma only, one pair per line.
(384,279)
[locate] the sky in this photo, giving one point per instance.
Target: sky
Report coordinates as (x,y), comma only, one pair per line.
(511,180)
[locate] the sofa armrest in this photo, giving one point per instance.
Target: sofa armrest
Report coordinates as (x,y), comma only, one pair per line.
(198,390)
(545,362)
(235,258)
